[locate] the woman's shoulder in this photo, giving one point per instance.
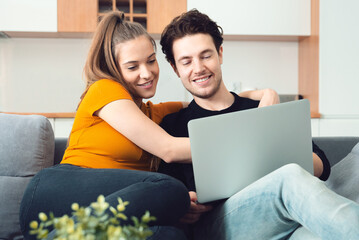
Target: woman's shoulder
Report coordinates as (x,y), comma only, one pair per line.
(106,82)
(101,93)
(108,87)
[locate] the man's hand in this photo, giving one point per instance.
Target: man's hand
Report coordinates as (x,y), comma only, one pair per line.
(195,210)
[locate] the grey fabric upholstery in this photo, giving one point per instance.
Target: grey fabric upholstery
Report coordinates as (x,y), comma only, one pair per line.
(344,178)
(336,148)
(60,147)
(26,147)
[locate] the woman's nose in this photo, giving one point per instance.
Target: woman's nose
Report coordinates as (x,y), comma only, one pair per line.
(145,72)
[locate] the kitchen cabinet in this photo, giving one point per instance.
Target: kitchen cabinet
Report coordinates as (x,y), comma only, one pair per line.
(135,10)
(79,16)
(28,16)
(154,15)
(338,59)
(258,17)
(161,12)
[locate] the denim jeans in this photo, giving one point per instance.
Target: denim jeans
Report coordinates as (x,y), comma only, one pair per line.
(279,203)
(55,189)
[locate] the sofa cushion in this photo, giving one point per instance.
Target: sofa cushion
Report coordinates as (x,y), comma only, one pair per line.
(26,147)
(344,178)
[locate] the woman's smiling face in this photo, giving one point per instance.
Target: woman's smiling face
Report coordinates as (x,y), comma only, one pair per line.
(138,66)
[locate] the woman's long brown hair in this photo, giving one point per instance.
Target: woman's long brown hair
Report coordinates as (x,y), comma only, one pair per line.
(101,62)
(102,59)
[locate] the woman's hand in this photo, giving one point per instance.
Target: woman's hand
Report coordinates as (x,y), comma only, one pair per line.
(269,97)
(266,96)
(195,210)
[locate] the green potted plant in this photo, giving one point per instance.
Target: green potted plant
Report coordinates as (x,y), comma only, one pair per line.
(93,223)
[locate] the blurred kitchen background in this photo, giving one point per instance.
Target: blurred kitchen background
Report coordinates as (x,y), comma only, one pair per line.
(296,47)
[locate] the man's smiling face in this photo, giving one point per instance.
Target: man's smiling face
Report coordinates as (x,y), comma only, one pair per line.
(198,64)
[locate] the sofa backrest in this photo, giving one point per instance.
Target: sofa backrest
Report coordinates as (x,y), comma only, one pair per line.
(26,147)
(336,148)
(60,147)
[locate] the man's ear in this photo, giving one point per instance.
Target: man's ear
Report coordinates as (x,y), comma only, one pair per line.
(175,69)
(220,54)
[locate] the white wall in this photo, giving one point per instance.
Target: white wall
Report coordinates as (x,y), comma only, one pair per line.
(41,75)
(45,75)
(259,64)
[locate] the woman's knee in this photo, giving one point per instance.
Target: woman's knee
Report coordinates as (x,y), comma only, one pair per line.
(168,182)
(167,232)
(175,193)
(176,189)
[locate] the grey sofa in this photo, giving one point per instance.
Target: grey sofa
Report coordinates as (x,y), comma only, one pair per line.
(27,145)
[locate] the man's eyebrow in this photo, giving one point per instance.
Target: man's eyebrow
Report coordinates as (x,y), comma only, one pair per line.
(206,51)
(183,58)
(131,62)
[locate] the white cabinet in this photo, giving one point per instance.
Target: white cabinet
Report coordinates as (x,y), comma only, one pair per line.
(338,58)
(258,17)
(28,15)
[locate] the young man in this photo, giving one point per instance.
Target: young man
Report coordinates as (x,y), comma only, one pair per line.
(274,206)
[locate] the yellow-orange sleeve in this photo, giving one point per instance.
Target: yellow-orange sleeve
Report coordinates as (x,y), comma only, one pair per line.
(101,93)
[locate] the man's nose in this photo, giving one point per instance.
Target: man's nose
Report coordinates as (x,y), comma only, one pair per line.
(198,66)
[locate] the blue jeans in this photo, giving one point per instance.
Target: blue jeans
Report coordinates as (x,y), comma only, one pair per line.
(279,203)
(55,189)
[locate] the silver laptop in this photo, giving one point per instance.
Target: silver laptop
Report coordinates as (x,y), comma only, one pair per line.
(231,151)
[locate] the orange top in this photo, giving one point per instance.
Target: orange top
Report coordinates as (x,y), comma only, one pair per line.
(95,144)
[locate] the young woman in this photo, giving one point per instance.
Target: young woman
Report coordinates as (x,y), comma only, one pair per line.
(115,134)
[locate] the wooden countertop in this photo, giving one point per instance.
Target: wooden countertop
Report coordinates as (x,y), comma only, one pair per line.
(48,115)
(72,114)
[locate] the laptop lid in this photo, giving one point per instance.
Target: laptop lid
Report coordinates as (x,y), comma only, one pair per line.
(231,151)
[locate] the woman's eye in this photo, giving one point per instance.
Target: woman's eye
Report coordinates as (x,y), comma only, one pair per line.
(152,61)
(131,67)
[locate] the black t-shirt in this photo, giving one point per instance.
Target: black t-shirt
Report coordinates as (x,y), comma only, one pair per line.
(176,125)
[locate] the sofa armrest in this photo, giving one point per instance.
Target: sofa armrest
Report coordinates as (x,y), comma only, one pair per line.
(336,148)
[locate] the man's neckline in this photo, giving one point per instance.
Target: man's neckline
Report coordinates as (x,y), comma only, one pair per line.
(193,104)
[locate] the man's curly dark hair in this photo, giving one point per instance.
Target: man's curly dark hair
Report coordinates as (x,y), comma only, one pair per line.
(189,23)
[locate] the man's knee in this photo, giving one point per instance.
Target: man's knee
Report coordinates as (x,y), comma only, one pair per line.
(291,169)
(290,173)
